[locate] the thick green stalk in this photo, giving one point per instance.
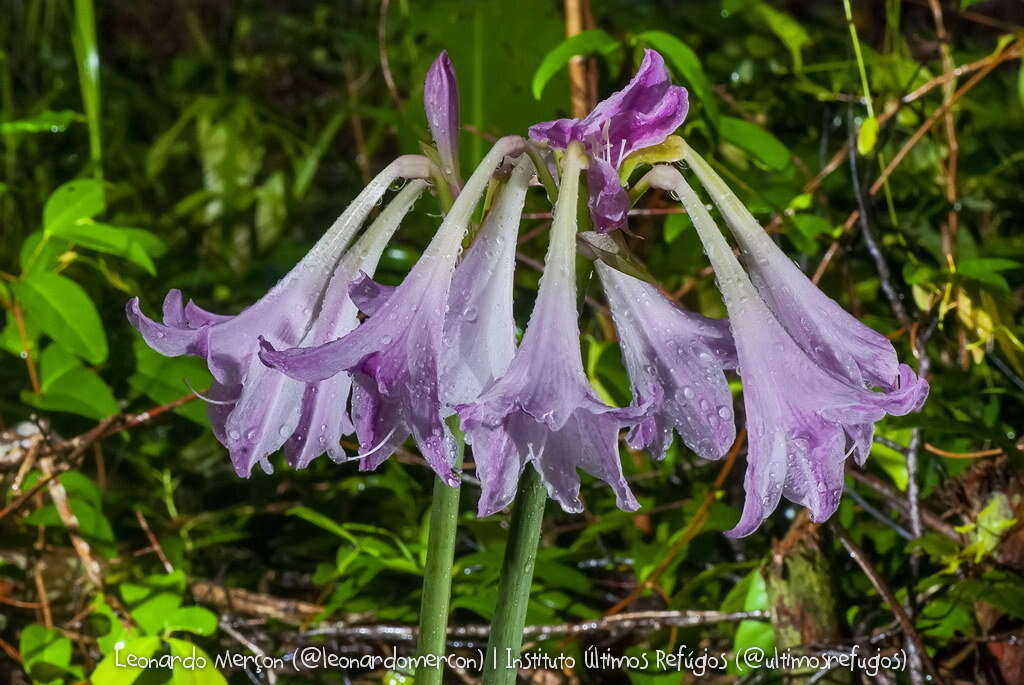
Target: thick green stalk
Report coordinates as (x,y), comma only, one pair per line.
(506,640)
(437,576)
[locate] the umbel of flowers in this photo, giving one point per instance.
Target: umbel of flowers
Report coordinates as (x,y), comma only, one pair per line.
(300,368)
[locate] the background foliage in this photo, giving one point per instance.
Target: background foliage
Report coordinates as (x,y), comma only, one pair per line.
(205,145)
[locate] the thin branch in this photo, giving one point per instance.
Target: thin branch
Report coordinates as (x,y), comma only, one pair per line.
(887,594)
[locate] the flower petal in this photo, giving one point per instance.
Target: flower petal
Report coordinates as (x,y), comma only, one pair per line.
(441,102)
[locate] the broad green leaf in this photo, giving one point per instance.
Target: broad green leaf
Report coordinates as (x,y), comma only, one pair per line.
(113,670)
(163,379)
(754,140)
(187,671)
(64,312)
(193,619)
(109,629)
(867,136)
(674,225)
(687,65)
(808,228)
(68,386)
(129,243)
(75,200)
(986,270)
(594,41)
(310,162)
(753,634)
(1020,84)
(45,653)
(152,601)
(44,122)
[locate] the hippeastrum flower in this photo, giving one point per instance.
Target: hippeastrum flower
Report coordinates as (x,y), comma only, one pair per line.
(479,328)
(441,102)
(681,353)
(642,114)
(825,331)
(394,356)
(286,314)
(543,409)
(802,419)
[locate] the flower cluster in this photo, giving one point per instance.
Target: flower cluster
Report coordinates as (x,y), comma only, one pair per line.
(300,368)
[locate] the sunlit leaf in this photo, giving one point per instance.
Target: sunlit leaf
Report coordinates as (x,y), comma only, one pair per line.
(592,42)
(64,312)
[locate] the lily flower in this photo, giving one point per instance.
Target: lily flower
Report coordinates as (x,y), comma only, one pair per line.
(441,102)
(642,114)
(479,328)
(825,331)
(802,419)
(394,356)
(683,354)
(286,314)
(543,409)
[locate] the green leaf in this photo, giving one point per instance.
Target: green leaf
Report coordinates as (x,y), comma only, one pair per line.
(310,162)
(113,670)
(108,626)
(196,620)
(986,270)
(75,200)
(808,228)
(1020,84)
(674,226)
(787,29)
(64,312)
(752,634)
(45,653)
(754,140)
(594,41)
(186,670)
(153,601)
(44,122)
(687,65)
(322,521)
(867,136)
(68,386)
(128,243)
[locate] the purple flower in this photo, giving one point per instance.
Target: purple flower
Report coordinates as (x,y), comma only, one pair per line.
(681,353)
(394,355)
(479,328)
(543,409)
(265,407)
(803,420)
(825,331)
(642,114)
(441,103)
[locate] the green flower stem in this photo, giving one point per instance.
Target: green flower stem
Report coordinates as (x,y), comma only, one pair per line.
(437,576)
(506,639)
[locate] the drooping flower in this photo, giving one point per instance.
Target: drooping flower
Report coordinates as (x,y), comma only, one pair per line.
(802,419)
(824,330)
(683,354)
(479,328)
(441,102)
(286,314)
(394,356)
(543,409)
(642,114)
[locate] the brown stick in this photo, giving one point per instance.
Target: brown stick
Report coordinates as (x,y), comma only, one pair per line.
(578,86)
(154,544)
(60,500)
(887,594)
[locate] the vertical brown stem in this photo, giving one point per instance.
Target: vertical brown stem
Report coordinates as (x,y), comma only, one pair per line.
(579,86)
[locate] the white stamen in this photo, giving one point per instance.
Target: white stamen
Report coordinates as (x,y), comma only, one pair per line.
(203,397)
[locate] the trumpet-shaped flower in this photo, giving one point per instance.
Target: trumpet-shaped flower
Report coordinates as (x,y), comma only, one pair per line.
(479,329)
(644,113)
(254,426)
(802,419)
(543,409)
(394,356)
(681,353)
(824,330)
(441,102)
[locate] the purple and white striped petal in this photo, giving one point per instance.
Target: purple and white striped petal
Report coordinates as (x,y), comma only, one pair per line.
(441,103)
(394,355)
(682,353)
(543,409)
(803,420)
